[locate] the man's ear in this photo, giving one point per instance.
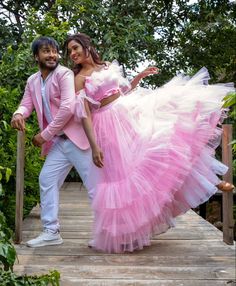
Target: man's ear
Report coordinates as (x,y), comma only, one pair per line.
(36,58)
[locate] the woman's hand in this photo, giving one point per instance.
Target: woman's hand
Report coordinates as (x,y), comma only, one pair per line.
(97,156)
(149,71)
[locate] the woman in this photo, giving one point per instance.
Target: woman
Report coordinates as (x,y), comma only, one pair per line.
(155,147)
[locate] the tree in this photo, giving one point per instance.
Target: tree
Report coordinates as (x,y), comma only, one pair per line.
(209,39)
(14,17)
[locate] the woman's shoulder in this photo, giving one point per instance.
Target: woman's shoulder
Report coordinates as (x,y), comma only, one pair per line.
(79,81)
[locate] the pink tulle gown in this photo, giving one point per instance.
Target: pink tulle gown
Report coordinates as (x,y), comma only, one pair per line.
(158,147)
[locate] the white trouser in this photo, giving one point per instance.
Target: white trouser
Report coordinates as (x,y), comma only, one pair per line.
(60,159)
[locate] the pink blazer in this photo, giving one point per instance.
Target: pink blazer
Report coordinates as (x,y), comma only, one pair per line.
(61,92)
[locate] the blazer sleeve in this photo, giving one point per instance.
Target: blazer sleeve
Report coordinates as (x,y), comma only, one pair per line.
(26,105)
(65,111)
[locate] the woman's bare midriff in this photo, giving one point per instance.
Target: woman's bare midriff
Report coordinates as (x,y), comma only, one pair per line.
(109,99)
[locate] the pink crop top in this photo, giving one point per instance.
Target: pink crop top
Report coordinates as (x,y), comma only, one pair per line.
(101,84)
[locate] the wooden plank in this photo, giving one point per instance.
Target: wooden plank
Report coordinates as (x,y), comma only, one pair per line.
(73,186)
(159,247)
(20,161)
(71,281)
(172,234)
(73,211)
(138,272)
(129,260)
(78,225)
(228,220)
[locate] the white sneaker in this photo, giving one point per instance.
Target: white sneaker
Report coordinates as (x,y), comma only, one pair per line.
(91,243)
(45,238)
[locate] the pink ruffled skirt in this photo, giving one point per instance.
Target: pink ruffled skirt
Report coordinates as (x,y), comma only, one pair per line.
(159,148)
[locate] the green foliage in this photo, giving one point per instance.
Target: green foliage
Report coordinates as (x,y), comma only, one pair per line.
(208,39)
(7,251)
(174,35)
(230,102)
(13,19)
(7,259)
(8,278)
(7,172)
(16,66)
(9,101)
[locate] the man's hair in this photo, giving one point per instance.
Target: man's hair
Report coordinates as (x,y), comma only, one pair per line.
(43,41)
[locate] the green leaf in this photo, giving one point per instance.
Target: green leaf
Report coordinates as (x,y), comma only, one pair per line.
(5,124)
(8,174)
(233,142)
(7,254)
(230,100)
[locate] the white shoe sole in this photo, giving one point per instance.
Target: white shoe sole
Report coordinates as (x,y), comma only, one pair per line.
(45,243)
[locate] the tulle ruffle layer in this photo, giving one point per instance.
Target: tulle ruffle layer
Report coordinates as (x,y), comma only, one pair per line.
(159,160)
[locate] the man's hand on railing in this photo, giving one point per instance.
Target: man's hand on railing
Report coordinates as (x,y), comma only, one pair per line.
(18,122)
(38,140)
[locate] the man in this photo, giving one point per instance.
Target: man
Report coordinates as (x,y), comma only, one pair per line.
(51,93)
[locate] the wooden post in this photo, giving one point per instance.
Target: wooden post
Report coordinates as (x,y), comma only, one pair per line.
(228,221)
(19,185)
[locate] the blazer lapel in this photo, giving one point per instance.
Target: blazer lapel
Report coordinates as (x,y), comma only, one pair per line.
(38,96)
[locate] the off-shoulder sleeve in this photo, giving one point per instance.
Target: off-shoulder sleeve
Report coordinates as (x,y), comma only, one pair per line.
(80,111)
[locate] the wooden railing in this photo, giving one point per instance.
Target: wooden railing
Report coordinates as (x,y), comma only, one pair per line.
(228,221)
(20,162)
(228,200)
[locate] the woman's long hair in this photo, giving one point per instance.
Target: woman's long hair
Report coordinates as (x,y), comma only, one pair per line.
(85,42)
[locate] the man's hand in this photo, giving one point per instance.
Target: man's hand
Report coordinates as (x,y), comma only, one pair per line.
(38,140)
(18,122)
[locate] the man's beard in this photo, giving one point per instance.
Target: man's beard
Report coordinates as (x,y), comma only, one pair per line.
(44,66)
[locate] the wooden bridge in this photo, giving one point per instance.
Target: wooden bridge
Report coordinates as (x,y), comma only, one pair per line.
(192,254)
